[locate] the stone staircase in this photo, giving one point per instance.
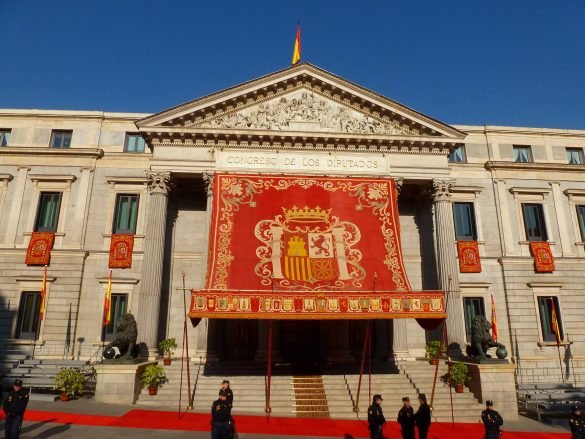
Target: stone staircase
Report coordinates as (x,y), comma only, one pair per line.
(331,395)
(421,374)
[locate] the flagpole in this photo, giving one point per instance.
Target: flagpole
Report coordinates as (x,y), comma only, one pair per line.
(556,329)
(571,359)
(42,311)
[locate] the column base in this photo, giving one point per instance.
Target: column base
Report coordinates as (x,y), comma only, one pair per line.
(402,355)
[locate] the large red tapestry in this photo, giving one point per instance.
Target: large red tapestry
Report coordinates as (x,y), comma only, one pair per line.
(543,258)
(469,260)
(39,248)
(309,242)
(121,251)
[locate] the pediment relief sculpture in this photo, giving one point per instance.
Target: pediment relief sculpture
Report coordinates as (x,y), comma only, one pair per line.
(305,111)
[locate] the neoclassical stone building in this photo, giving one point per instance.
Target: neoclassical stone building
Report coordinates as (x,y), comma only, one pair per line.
(86,175)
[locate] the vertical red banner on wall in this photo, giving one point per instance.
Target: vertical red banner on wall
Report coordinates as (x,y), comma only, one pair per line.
(121,251)
(39,248)
(469,260)
(544,261)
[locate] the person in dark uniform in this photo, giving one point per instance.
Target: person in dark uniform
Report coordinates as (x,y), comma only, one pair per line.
(422,417)
(221,415)
(577,423)
(406,419)
(492,421)
(14,406)
(376,418)
(225,385)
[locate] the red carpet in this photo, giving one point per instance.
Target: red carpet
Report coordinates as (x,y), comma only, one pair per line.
(152,419)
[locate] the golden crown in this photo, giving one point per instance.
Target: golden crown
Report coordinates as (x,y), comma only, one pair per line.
(306,214)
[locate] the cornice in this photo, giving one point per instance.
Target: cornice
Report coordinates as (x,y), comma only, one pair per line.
(520,131)
(495,165)
(52,177)
(126,180)
(6,177)
(94,153)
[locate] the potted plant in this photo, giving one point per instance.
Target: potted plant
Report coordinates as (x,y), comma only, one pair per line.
(432,351)
(167,348)
(153,377)
(459,373)
(69,381)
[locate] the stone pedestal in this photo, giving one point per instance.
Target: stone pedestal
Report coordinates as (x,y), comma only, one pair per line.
(496,382)
(119,383)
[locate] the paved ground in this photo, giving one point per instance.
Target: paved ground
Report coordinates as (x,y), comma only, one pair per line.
(48,430)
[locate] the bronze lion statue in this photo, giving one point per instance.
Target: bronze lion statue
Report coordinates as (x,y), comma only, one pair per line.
(481,339)
(125,341)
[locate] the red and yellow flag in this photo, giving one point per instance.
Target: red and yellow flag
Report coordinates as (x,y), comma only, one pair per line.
(555,323)
(494,321)
(297,50)
(44,295)
(108,302)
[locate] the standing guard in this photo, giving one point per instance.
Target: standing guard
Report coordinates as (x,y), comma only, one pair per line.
(225,385)
(14,406)
(406,419)
(221,415)
(422,417)
(577,424)
(492,421)
(376,418)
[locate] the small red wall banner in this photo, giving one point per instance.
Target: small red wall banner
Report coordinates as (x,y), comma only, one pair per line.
(469,260)
(544,261)
(39,248)
(121,251)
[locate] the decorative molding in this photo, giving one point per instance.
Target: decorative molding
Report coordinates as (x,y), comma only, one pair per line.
(94,153)
(54,178)
(208,181)
(494,165)
(574,193)
(34,278)
(159,182)
(118,280)
(545,285)
(441,189)
(399,182)
(529,190)
(6,177)
(126,180)
(474,189)
(474,284)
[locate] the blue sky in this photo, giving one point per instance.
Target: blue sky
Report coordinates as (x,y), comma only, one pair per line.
(519,63)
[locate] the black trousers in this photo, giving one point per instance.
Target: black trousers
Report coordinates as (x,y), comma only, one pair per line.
(12,426)
(422,432)
(375,431)
(408,433)
(492,435)
(220,430)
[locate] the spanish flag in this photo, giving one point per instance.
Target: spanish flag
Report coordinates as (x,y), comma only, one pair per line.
(297,50)
(555,323)
(44,295)
(494,321)
(108,302)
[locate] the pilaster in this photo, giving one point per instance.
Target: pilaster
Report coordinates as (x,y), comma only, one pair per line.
(16,207)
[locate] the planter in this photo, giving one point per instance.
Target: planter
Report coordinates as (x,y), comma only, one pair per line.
(459,388)
(152,390)
(167,361)
(64,397)
(435,361)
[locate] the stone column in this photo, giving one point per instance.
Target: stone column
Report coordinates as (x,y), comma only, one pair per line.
(400,332)
(159,185)
(202,350)
(447,261)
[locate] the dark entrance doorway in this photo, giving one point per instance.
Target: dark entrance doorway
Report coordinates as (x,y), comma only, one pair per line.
(300,341)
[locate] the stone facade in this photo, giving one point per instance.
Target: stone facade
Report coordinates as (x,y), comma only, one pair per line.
(302,121)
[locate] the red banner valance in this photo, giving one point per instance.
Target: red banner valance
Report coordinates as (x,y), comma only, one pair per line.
(39,248)
(469,260)
(121,251)
(544,261)
(330,305)
(300,242)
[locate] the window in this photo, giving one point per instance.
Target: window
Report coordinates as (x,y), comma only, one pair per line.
(534,224)
(464,221)
(4,137)
(575,156)
(458,155)
(581,219)
(119,305)
(29,315)
(472,307)
(134,143)
(545,307)
(48,212)
(61,139)
(125,213)
(522,154)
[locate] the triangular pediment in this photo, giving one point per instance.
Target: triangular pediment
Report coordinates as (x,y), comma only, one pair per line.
(302,98)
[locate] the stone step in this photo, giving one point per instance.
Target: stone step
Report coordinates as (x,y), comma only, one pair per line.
(45,397)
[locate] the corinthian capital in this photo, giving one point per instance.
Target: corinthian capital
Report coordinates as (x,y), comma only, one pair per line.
(398,183)
(208,181)
(441,189)
(159,182)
